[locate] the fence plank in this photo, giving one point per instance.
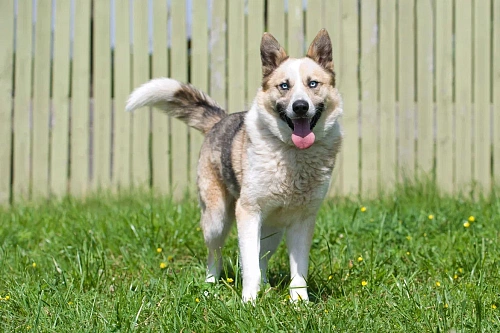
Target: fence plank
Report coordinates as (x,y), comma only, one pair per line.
(295,29)
(406,45)
(254,31)
(101,150)
(179,57)
(218,53)
(444,96)
(482,172)
(79,174)
(496,91)
(140,74)
(276,20)
(59,144)
(41,101)
(463,95)
(236,55)
(314,19)
(22,102)
(350,88)
(199,74)
(122,87)
(331,21)
(388,148)
(425,87)
(6,70)
(369,86)
(160,122)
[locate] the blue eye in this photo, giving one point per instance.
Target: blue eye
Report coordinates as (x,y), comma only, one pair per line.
(284,86)
(313,84)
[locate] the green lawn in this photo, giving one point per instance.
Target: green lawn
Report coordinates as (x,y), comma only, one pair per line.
(406,263)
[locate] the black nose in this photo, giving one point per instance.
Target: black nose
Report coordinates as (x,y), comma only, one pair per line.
(300,107)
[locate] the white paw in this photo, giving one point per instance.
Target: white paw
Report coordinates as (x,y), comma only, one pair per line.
(210,279)
(249,298)
(249,294)
(298,294)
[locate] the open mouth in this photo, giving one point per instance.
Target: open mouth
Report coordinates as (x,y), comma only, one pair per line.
(302,135)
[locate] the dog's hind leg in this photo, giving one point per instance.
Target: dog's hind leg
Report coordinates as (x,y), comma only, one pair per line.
(217,216)
(270,238)
(216,223)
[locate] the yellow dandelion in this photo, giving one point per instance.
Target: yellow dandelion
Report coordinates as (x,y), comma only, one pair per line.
(229,280)
(326,311)
(360,259)
(364,283)
(330,277)
(163,265)
(197,300)
(466,224)
(471,218)
(7,297)
(159,250)
(431,217)
(460,270)
(198,229)
(70,303)
(445,305)
(28,327)
(455,276)
(363,209)
(438,284)
(170,258)
(493,306)
(408,237)
(407,253)
(33,265)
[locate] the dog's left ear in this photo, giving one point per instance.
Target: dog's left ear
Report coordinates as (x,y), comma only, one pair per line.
(321,50)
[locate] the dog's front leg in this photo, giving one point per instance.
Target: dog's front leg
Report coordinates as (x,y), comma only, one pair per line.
(248,221)
(298,240)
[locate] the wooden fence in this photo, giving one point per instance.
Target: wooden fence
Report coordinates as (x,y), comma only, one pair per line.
(420,81)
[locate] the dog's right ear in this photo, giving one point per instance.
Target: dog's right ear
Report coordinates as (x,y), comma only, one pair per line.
(271,54)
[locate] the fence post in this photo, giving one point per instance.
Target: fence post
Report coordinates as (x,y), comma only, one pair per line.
(6,70)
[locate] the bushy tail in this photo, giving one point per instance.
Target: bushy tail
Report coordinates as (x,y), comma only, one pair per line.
(180,100)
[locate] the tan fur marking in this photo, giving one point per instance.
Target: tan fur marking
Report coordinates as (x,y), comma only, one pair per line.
(239,154)
(310,70)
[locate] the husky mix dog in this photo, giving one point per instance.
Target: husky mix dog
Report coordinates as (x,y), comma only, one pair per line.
(268,168)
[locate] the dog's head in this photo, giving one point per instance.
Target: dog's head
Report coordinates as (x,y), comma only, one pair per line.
(298,96)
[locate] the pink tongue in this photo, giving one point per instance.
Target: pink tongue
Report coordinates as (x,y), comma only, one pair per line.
(302,135)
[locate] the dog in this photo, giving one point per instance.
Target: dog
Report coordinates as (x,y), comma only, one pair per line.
(268,168)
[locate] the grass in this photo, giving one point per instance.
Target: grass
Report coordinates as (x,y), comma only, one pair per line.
(405,264)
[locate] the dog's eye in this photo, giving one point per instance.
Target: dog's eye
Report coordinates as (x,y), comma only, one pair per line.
(313,84)
(284,86)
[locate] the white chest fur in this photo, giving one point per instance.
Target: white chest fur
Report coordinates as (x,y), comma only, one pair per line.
(288,177)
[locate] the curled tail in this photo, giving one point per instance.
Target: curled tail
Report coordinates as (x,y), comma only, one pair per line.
(180,100)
